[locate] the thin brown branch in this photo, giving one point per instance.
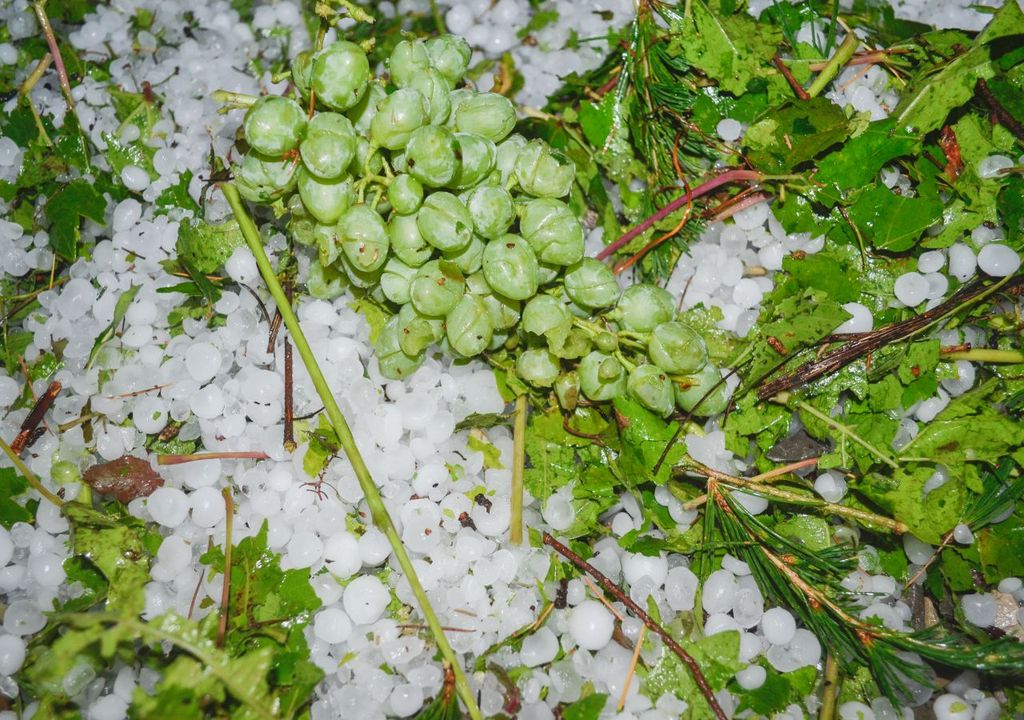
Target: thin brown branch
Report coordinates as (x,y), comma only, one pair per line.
(58,61)
(1001,114)
(786,73)
(617,592)
(835,360)
(197,457)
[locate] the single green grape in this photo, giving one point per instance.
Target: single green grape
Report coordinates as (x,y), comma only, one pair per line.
(409,59)
(435,90)
(538,367)
(591,284)
(417,332)
(436,288)
(545,314)
(506,154)
(552,230)
(449,54)
(430,155)
(677,348)
(367,160)
(500,340)
(362,279)
(340,75)
(542,171)
(394,362)
(364,238)
(470,258)
(476,155)
(325,283)
(406,241)
(691,390)
(573,344)
(606,342)
(504,311)
(486,114)
(405,193)
(602,377)
(445,222)
(402,112)
(329,146)
(362,113)
(263,180)
(274,125)
(395,281)
(549,273)
(492,211)
(65,472)
(510,267)
(642,307)
(567,390)
(302,69)
(328,243)
(651,387)
(326,200)
(458,98)
(469,326)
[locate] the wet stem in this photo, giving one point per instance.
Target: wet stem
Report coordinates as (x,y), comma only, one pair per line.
(378,510)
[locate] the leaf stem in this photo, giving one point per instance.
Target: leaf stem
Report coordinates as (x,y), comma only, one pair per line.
(829,688)
(986,355)
(198,457)
(378,510)
(235,99)
(843,55)
(38,6)
(225,592)
(29,476)
(515,533)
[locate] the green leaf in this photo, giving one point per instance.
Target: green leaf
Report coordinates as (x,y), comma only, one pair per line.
(121,155)
(120,310)
(893,222)
(811,531)
(12,485)
(376,315)
(81,571)
(588,708)
(644,438)
(207,247)
(860,158)
(901,494)
(479,442)
(596,119)
(177,196)
(1011,206)
(778,691)
(718,658)
(826,272)
(65,209)
(482,421)
(798,131)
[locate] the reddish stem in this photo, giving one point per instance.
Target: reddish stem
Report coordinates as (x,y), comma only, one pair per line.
(196,457)
(684,199)
(742,204)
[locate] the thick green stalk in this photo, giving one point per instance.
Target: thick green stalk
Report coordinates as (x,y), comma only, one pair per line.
(378,511)
(29,476)
(515,532)
(835,64)
(986,355)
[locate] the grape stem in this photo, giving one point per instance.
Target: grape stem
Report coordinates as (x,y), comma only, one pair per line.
(29,476)
(378,511)
(515,533)
(234,99)
(686,198)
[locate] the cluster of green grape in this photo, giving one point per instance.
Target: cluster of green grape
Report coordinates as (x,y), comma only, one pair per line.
(415,190)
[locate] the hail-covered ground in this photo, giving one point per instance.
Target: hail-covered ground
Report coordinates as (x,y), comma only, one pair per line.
(227,389)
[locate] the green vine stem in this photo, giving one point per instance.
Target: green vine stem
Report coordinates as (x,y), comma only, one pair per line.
(378,511)
(843,55)
(986,355)
(29,476)
(515,532)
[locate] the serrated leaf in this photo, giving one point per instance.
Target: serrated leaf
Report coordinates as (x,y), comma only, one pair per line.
(177,196)
(860,158)
(65,210)
(788,136)
(893,222)
(205,246)
(12,486)
(121,155)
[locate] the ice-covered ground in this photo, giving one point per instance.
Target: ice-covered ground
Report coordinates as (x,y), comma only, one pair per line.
(227,389)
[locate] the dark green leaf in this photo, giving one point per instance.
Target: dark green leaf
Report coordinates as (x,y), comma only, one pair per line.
(12,486)
(893,222)
(177,196)
(589,708)
(207,247)
(857,162)
(76,200)
(799,131)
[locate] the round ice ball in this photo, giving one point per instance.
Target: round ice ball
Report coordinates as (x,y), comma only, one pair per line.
(998,260)
(719,592)
(681,588)
(951,707)
(406,699)
(241,266)
(332,625)
(778,626)
(979,609)
(167,506)
(591,625)
(911,288)
(365,599)
(861,321)
(12,654)
(638,565)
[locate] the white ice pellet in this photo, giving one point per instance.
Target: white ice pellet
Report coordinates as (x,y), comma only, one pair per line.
(636,566)
(332,625)
(108,707)
(918,552)
(47,569)
(12,654)
(539,648)
(9,391)
(861,320)
(998,260)
(962,262)
(993,165)
(963,535)
(979,609)
(591,625)
(752,217)
(681,588)
(202,360)
(831,486)
(207,402)
(241,266)
(951,707)
(342,554)
(135,178)
(718,592)
(1010,585)
(558,511)
(778,626)
(963,381)
(126,214)
(729,129)
(931,261)
(23,617)
(150,415)
(6,547)
(365,599)
(854,710)
(931,407)
(167,506)
(458,19)
(751,677)
(911,288)
(207,506)
(406,699)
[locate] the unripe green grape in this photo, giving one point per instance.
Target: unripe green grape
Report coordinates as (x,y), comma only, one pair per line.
(330,145)
(506,154)
(575,344)
(651,387)
(363,279)
(417,332)
(544,314)
(542,171)
(394,362)
(405,193)
(510,267)
(362,113)
(606,342)
(409,59)
(445,222)
(476,283)
(328,243)
(567,390)
(469,326)
(677,348)
(486,114)
(552,230)
(458,98)
(430,155)
(436,288)
(549,273)
(470,258)
(504,311)
(367,160)
(591,284)
(325,283)
(406,241)
(434,89)
(300,223)
(326,200)
(476,160)
(492,211)
(364,238)
(264,180)
(398,162)
(538,367)
(690,392)
(395,281)
(643,307)
(498,341)
(402,112)
(274,125)
(602,377)
(341,73)
(302,70)
(449,54)
(64,472)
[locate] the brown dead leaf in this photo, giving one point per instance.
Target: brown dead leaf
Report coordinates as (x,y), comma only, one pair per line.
(126,478)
